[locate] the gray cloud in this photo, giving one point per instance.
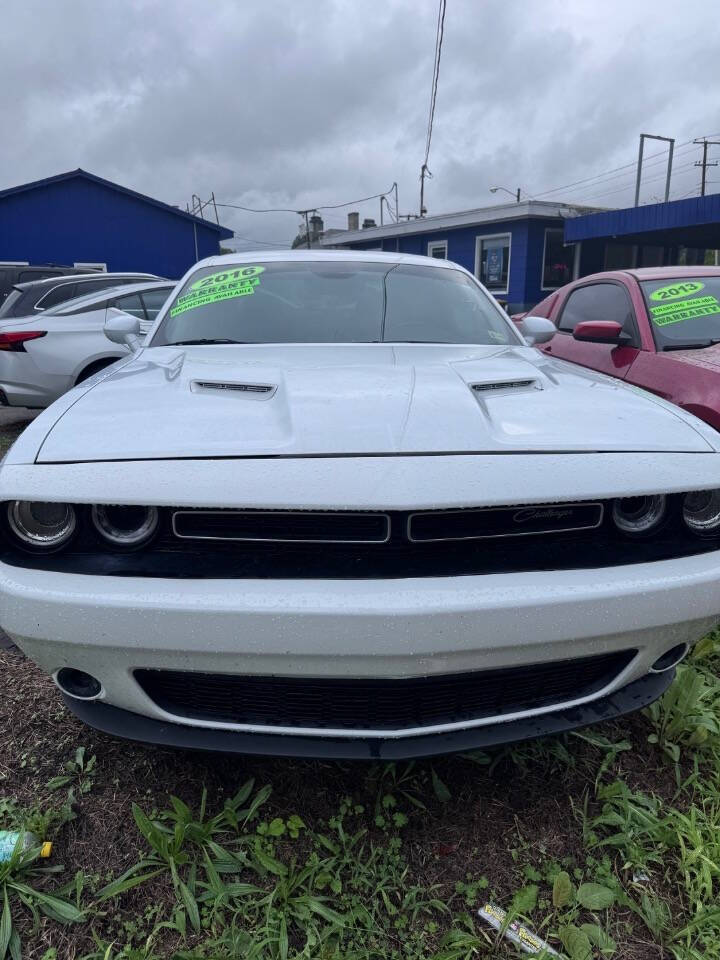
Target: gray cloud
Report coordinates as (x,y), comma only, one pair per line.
(301,102)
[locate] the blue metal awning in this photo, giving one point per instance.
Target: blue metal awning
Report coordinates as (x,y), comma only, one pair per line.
(692,221)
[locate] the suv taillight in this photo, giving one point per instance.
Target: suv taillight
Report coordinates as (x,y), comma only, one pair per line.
(16,341)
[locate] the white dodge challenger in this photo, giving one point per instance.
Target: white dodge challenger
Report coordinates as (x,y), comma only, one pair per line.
(336,505)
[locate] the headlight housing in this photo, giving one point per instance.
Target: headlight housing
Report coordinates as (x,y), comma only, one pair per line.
(701,512)
(125,526)
(42,526)
(639,516)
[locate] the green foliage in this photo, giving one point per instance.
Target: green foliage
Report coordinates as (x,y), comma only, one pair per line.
(22,885)
(563,890)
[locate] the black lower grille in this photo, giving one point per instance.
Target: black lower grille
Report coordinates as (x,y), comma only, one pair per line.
(283,526)
(355,704)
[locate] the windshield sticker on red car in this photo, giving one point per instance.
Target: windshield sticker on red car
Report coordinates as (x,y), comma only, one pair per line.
(223,285)
(673,291)
(684,310)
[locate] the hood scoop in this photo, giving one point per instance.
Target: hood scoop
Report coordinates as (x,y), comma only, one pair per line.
(506,386)
(259,391)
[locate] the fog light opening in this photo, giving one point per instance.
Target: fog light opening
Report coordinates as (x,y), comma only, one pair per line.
(78,684)
(671,658)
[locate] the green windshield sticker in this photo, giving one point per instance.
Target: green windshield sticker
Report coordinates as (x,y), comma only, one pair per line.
(674,291)
(223,285)
(227,276)
(684,310)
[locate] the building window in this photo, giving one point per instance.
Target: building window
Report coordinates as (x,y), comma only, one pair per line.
(438,250)
(557,260)
(492,261)
(620,256)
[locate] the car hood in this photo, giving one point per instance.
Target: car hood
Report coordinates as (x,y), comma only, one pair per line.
(707,357)
(357,399)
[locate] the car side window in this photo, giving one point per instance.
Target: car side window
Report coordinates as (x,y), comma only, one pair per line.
(598,301)
(26,276)
(92,286)
(56,295)
(131,304)
(153,300)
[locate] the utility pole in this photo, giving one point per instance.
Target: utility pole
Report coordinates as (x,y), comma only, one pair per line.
(424,172)
(704,163)
(307,228)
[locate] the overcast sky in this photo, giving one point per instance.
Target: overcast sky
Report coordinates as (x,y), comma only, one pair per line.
(297,103)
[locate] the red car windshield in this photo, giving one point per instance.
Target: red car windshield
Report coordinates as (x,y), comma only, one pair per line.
(684,313)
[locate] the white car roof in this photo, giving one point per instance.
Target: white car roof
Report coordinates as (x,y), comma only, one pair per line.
(87,299)
(323,256)
(59,278)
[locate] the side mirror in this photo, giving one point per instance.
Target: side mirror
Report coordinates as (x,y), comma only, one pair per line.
(537,330)
(122,328)
(599,331)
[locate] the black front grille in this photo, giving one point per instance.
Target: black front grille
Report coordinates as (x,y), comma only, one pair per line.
(336,545)
(358,704)
(291,526)
(503,521)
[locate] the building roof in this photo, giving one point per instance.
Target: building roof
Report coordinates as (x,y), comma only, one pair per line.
(465,218)
(696,218)
(80,174)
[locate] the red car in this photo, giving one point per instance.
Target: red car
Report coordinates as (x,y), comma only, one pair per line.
(658,328)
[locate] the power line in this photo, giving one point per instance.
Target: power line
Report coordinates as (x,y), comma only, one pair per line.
(265,243)
(424,172)
(628,186)
(436,73)
(319,206)
(598,176)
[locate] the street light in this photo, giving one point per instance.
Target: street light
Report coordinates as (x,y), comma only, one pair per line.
(513,193)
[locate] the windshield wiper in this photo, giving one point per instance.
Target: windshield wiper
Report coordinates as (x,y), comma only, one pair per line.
(699,345)
(201,341)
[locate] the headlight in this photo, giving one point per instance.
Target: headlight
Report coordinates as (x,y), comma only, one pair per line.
(639,515)
(42,526)
(701,512)
(125,526)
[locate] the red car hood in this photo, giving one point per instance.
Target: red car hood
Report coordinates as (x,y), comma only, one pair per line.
(708,357)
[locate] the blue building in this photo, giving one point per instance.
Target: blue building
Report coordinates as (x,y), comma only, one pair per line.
(523,251)
(517,250)
(77,218)
(679,232)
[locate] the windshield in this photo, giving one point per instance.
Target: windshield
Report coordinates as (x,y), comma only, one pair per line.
(332,302)
(684,313)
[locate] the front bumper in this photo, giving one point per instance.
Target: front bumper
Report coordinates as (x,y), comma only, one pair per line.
(112,626)
(132,726)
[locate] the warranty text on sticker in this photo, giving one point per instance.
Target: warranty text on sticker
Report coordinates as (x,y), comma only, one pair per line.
(224,285)
(675,290)
(684,310)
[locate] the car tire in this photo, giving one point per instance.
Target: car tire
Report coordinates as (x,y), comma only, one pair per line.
(93,368)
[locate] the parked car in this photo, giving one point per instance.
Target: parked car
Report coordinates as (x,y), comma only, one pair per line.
(27,298)
(13,273)
(336,506)
(44,355)
(656,328)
